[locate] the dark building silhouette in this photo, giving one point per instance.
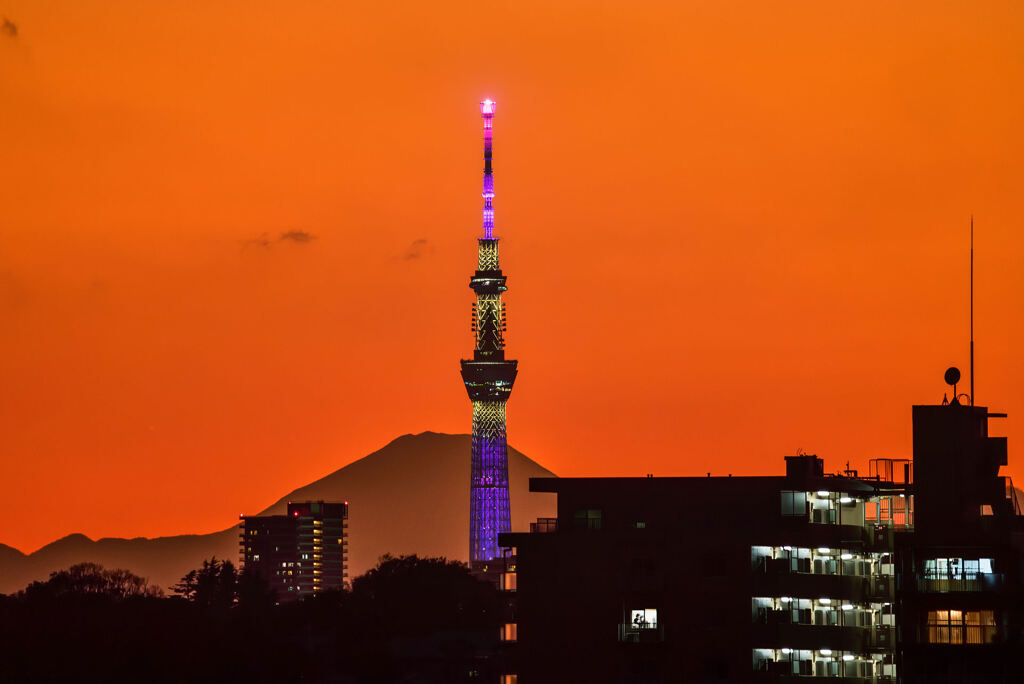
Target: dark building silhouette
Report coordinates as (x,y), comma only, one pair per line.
(301,553)
(959,569)
(733,579)
(859,578)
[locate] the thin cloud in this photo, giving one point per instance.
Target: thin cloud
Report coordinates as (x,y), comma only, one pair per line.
(417,249)
(264,241)
(298,236)
(9,28)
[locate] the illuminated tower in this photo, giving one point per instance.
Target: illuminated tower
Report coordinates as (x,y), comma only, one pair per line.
(488,378)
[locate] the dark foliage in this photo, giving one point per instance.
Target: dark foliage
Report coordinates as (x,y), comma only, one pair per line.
(90,579)
(410,595)
(409,619)
(214,586)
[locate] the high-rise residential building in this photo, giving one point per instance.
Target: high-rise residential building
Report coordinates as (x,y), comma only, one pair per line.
(734,579)
(960,595)
(301,553)
(488,377)
(912,572)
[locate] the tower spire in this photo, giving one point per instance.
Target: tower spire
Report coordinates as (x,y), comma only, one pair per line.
(488,377)
(487,112)
(972,309)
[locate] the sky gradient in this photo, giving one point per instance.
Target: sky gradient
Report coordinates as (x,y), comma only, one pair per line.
(237,238)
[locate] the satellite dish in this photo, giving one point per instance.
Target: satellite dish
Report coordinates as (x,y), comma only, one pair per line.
(952,375)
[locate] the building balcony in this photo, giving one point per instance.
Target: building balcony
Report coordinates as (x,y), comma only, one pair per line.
(981,583)
(881,589)
(784,675)
(882,638)
(812,637)
(775,578)
(799,532)
(649,634)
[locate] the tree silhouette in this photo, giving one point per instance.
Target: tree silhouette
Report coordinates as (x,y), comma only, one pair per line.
(408,619)
(211,586)
(408,594)
(253,591)
(93,579)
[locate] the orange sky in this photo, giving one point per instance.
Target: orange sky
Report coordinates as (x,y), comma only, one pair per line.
(732,230)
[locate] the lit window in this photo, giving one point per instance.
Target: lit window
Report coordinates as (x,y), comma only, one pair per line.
(509,631)
(643,618)
(956,568)
(961,627)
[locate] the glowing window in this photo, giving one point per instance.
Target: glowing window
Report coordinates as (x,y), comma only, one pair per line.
(957,568)
(509,631)
(643,618)
(961,627)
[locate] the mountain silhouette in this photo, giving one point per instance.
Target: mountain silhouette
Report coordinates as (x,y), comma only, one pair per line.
(412,496)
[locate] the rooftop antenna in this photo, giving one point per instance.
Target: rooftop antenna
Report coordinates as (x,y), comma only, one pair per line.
(952,378)
(972,309)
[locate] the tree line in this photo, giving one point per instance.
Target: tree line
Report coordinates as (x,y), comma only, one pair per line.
(407,619)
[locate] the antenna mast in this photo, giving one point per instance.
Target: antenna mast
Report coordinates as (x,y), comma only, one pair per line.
(972,309)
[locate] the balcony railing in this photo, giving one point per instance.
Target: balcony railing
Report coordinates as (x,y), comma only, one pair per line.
(785,674)
(982,582)
(544,525)
(649,634)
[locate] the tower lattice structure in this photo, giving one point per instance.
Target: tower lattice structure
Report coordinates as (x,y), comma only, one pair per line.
(488,378)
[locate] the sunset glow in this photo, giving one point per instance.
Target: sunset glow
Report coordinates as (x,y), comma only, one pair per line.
(233,261)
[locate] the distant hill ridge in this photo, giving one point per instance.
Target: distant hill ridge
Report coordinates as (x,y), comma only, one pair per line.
(411,496)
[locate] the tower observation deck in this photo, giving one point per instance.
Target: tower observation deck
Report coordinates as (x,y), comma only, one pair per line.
(488,378)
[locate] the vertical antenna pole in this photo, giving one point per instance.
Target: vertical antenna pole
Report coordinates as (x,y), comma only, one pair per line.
(972,309)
